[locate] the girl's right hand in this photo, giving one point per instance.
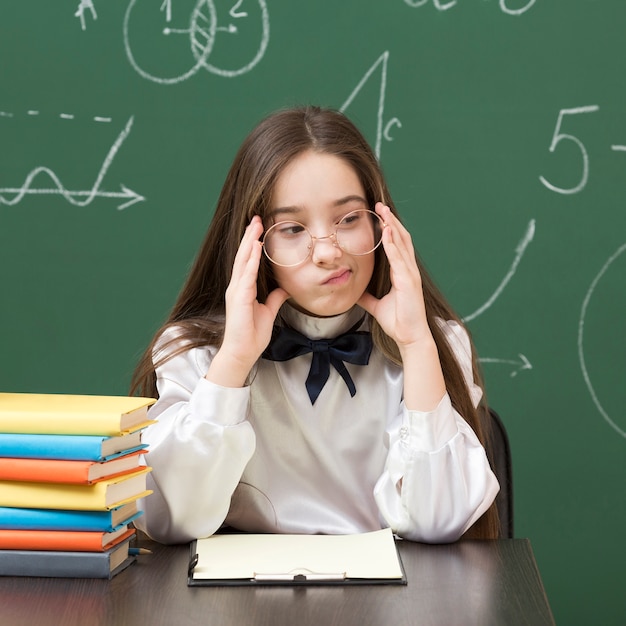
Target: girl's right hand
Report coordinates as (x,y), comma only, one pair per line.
(248,322)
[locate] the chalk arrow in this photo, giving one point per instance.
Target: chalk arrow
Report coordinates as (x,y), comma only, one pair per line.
(81,197)
(522,364)
(231,28)
(72,196)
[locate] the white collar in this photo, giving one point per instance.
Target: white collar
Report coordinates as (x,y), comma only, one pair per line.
(320,327)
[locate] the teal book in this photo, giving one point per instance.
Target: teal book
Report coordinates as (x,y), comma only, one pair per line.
(69,447)
(62,564)
(59,519)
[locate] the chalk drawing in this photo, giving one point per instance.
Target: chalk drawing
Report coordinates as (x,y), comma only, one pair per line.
(436,3)
(65,116)
(13,195)
(393,122)
(381,128)
(519,253)
(522,363)
(234,12)
(559,136)
(504,7)
(167,7)
(202,32)
(519,365)
(440,5)
(80,12)
(581,330)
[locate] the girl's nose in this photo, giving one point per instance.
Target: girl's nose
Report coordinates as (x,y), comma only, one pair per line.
(325,249)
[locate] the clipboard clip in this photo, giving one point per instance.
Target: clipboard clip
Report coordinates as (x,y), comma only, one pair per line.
(301,575)
(193,561)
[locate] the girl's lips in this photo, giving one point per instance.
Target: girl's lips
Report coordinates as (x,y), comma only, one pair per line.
(338,278)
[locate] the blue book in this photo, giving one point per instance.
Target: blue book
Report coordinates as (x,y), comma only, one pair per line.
(53,519)
(62,564)
(69,447)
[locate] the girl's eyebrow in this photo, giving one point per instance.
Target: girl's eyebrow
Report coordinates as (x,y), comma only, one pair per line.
(285,210)
(294,210)
(350,198)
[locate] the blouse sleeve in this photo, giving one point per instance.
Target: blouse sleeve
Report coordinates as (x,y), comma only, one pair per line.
(198,449)
(437,480)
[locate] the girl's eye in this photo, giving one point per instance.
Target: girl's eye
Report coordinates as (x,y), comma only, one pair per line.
(350,219)
(290,229)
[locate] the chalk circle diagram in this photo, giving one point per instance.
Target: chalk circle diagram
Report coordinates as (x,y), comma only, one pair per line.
(202,31)
(606,344)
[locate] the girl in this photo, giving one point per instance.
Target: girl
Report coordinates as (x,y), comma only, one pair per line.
(262,428)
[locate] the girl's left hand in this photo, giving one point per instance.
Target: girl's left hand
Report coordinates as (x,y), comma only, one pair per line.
(401,313)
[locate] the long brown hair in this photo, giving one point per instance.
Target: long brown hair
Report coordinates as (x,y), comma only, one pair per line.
(199,312)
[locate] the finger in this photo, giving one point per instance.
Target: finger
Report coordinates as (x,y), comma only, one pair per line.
(247,246)
(404,273)
(242,253)
(399,250)
(392,250)
(247,279)
(393,220)
(254,260)
(402,237)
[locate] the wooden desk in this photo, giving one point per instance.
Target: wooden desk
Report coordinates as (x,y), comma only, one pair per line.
(470,582)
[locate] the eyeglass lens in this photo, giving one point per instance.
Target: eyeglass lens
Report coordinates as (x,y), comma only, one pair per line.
(290,243)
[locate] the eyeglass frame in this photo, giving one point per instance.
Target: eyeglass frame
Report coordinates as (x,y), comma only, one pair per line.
(332,236)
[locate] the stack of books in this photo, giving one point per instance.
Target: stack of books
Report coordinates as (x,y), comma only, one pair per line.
(71,472)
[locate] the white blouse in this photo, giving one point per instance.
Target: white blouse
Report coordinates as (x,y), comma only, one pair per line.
(261,458)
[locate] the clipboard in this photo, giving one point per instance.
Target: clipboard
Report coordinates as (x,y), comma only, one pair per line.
(257,560)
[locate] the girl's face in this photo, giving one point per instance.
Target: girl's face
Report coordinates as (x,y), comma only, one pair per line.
(317,190)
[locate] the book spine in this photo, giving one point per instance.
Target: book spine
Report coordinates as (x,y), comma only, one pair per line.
(54,563)
(33,446)
(51,519)
(18,425)
(78,424)
(94,497)
(68,414)
(58,470)
(45,470)
(60,564)
(58,540)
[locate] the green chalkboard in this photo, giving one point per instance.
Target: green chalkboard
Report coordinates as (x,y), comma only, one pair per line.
(501,125)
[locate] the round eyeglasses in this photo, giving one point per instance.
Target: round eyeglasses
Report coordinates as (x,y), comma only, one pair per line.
(290,243)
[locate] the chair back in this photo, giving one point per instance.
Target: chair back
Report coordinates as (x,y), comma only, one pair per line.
(499,454)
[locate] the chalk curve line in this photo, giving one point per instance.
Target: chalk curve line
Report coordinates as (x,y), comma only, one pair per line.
(581,352)
(519,253)
(200,59)
(265,21)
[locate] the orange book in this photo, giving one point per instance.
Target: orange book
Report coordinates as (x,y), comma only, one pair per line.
(63,471)
(65,540)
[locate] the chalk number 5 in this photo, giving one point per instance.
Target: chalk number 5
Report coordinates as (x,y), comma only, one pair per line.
(559,136)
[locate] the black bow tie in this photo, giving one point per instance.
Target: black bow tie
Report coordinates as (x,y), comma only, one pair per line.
(353,347)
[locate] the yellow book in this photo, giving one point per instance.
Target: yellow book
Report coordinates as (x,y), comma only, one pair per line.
(61,414)
(100,496)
